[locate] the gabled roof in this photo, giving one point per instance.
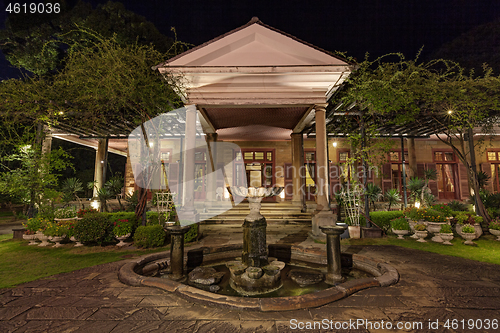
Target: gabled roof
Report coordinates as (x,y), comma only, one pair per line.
(255,44)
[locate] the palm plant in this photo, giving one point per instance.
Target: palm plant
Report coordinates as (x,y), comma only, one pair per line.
(103,194)
(393,197)
(115,186)
(415,186)
(71,187)
(429,174)
(374,193)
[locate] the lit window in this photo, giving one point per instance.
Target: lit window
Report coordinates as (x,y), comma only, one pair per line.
(343,156)
(248,155)
(394,156)
(492,156)
(269,156)
(438,156)
(259,155)
(310,156)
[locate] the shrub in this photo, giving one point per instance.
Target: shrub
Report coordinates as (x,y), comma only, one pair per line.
(149,236)
(65,213)
(457,206)
(443,208)
(34,224)
(446,229)
(130,216)
(94,228)
(420,227)
(122,228)
(383,218)
(495,224)
(413,213)
(55,229)
(400,223)
(82,212)
(468,229)
(432,215)
(191,234)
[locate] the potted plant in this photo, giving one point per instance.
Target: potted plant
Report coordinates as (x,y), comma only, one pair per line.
(354,229)
(468,233)
(68,213)
(31,226)
(421,232)
(56,232)
(473,221)
(122,230)
(446,234)
(495,228)
(40,232)
(400,227)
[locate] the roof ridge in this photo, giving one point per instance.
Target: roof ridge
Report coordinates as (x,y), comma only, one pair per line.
(254,20)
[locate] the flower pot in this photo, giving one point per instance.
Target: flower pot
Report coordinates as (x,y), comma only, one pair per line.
(121,239)
(57,240)
(43,238)
(468,238)
(354,231)
(73,239)
(446,237)
(477,227)
(495,233)
(435,228)
(412,228)
(421,235)
(400,233)
(31,238)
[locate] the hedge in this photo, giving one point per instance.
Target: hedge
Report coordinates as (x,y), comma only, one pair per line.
(149,236)
(94,228)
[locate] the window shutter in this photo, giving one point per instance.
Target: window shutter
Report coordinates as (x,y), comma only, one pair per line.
(420,170)
(464,182)
(486,168)
(386,177)
(433,186)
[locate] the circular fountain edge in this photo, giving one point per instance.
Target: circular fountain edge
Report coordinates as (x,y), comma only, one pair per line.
(384,275)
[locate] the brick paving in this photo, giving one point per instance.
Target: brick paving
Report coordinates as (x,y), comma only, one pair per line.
(431,287)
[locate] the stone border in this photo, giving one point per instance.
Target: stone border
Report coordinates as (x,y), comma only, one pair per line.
(384,275)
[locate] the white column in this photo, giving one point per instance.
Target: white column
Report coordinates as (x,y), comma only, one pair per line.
(100,157)
(188,211)
(323,216)
(298,169)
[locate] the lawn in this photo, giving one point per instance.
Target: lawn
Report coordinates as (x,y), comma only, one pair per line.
(487,249)
(21,263)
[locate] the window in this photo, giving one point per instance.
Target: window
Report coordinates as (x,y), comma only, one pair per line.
(493,156)
(343,156)
(248,155)
(395,156)
(259,155)
(310,156)
(444,156)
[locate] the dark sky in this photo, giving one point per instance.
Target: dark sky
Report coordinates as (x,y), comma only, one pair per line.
(353,26)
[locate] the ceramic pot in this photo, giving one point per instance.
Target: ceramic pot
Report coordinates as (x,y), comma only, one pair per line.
(31,238)
(122,239)
(468,238)
(41,237)
(77,242)
(57,240)
(354,231)
(492,231)
(446,237)
(435,228)
(400,233)
(421,235)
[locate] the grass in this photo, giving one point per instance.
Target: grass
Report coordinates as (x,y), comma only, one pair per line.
(487,249)
(20,263)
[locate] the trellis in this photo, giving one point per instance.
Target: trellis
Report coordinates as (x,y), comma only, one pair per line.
(351,197)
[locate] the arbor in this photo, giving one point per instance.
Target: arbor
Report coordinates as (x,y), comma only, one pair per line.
(437,95)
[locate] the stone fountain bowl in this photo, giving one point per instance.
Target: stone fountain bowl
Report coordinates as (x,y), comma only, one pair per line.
(257,192)
(139,271)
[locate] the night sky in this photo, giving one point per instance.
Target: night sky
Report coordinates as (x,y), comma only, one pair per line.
(352,26)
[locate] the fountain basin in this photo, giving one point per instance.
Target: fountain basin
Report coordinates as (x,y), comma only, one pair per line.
(135,274)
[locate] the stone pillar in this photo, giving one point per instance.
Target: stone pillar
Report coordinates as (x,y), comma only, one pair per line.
(100,161)
(333,257)
(47,140)
(129,181)
(298,170)
(211,166)
(177,251)
(412,158)
(323,216)
(188,212)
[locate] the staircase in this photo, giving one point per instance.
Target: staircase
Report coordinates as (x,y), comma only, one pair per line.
(274,212)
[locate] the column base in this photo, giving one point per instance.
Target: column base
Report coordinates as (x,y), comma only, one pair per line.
(322,218)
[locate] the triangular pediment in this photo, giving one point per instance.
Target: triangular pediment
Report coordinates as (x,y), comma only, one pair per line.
(255,45)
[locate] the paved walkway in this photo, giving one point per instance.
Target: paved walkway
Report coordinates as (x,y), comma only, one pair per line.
(431,287)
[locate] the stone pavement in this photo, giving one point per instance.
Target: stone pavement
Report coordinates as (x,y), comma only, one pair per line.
(431,287)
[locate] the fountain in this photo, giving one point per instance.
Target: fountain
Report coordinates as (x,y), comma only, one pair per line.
(255,274)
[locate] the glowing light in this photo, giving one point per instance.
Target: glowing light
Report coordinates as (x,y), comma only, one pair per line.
(334,143)
(450,111)
(282,195)
(226,194)
(61,113)
(151,144)
(94,204)
(417,204)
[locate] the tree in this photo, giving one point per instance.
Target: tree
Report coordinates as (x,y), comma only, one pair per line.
(39,43)
(437,95)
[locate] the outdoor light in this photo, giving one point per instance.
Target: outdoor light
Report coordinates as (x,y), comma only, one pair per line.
(282,195)
(334,143)
(450,111)
(417,204)
(95,204)
(151,144)
(226,194)
(61,113)
(102,161)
